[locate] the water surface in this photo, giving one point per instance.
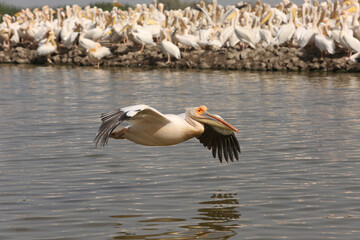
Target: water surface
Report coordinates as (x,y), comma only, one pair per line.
(297,178)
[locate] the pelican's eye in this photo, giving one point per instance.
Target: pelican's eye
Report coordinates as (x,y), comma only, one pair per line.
(201,110)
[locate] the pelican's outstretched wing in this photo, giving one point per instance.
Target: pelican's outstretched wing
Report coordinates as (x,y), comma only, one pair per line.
(221,139)
(111,120)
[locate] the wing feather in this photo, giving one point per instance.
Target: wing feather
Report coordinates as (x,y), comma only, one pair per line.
(211,140)
(220,149)
(225,148)
(214,150)
(234,144)
(229,147)
(222,145)
(113,119)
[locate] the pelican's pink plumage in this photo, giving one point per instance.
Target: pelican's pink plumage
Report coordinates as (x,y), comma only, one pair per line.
(152,128)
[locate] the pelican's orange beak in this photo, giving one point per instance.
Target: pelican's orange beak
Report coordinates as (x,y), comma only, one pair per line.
(202,113)
(219,119)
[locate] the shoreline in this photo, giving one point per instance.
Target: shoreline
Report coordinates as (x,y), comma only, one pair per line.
(272,58)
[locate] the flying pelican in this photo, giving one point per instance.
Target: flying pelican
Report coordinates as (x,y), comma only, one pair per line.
(152,128)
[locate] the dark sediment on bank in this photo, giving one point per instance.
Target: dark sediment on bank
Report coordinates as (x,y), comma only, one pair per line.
(273,58)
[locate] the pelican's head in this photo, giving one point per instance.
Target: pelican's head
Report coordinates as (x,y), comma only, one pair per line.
(161,7)
(50,37)
(201,115)
(201,110)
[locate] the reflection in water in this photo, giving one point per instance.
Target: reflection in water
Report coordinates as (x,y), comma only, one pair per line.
(219,217)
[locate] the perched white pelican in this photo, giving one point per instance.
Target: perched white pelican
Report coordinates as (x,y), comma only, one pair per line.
(187,40)
(70,40)
(96,54)
(152,128)
(5,36)
(30,32)
(346,35)
(15,36)
(86,43)
(244,33)
(94,34)
(307,36)
(46,48)
(140,36)
(286,32)
(266,33)
(168,47)
(323,42)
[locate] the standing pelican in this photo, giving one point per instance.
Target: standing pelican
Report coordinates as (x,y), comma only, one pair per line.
(96,54)
(5,37)
(152,128)
(168,47)
(286,32)
(47,47)
(245,33)
(140,36)
(86,43)
(323,42)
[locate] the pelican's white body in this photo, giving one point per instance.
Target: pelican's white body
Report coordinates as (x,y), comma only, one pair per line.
(152,128)
(163,133)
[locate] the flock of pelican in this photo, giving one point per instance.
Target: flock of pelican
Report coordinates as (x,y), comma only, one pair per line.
(327,26)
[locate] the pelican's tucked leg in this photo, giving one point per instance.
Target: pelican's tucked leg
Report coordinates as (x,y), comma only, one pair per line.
(119,134)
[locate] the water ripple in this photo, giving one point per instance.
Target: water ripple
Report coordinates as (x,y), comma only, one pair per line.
(297,177)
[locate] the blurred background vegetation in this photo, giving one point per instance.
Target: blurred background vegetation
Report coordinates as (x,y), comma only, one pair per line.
(8,9)
(107,6)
